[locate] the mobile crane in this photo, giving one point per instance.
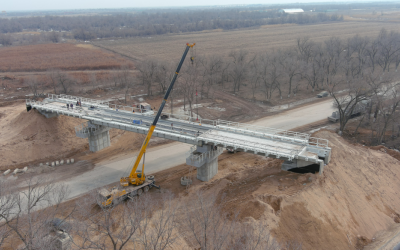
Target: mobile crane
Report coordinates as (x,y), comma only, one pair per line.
(137,182)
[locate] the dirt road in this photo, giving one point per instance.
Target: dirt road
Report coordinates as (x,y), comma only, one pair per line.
(166,156)
(298,117)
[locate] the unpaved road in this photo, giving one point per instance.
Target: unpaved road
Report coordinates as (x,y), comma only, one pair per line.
(298,117)
(173,154)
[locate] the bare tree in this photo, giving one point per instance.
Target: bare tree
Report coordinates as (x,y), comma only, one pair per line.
(265,77)
(389,46)
(305,48)
(330,58)
(159,223)
(360,45)
(357,93)
(290,68)
(60,79)
(36,86)
(163,76)
(189,85)
(254,78)
(52,76)
(238,68)
(212,68)
(147,71)
(205,224)
(143,223)
(53,37)
(28,214)
(389,101)
(112,227)
(253,237)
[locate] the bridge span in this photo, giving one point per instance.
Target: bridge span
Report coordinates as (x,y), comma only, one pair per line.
(208,136)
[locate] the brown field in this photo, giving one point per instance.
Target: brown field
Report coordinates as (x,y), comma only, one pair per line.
(61,56)
(170,47)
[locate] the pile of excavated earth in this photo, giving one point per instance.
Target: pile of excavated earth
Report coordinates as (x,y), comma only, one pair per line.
(356,197)
(29,138)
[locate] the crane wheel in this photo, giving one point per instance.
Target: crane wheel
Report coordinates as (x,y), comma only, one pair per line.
(146,189)
(150,177)
(140,192)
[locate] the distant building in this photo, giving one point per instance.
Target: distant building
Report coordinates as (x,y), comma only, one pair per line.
(291,11)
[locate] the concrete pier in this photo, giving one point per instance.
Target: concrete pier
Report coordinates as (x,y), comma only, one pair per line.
(205,159)
(98,135)
(99,140)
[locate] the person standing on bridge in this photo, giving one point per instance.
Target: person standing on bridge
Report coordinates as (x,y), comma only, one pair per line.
(67,106)
(172,126)
(72,106)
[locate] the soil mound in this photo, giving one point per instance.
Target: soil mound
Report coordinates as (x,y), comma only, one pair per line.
(29,136)
(356,196)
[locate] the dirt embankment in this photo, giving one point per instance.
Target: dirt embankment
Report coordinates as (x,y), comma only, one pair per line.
(355,197)
(29,138)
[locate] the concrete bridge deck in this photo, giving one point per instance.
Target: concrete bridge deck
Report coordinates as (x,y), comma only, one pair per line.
(290,146)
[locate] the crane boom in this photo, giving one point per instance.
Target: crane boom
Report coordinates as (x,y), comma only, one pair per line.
(137,178)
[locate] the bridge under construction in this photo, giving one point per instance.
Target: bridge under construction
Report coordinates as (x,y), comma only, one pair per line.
(209,137)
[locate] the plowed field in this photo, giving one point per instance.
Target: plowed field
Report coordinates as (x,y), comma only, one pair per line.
(266,38)
(60,56)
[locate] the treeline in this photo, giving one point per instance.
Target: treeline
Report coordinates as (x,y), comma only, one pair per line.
(157,23)
(362,67)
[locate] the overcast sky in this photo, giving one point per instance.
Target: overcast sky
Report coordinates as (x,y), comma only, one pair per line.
(15,5)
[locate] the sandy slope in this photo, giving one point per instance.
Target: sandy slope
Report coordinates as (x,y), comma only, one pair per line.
(357,195)
(29,136)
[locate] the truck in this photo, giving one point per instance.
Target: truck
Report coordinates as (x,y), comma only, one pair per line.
(358,109)
(138,182)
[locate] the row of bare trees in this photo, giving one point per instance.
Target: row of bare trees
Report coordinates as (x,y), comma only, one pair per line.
(31,218)
(156,21)
(308,65)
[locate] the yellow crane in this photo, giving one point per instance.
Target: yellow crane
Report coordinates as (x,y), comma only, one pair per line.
(137,182)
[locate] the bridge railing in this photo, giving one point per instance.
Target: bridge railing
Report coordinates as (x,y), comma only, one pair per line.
(252,146)
(130,109)
(266,130)
(318,142)
(33,102)
(190,119)
(77,98)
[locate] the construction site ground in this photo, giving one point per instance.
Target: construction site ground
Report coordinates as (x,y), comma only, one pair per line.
(351,205)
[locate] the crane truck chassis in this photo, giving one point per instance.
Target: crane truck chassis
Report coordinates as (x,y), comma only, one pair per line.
(137,182)
(116,195)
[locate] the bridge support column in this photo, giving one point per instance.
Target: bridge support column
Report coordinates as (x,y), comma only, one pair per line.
(99,140)
(205,159)
(98,136)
